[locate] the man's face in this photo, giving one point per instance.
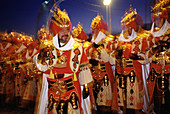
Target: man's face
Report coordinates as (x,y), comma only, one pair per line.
(159,21)
(95,33)
(129,29)
(64,35)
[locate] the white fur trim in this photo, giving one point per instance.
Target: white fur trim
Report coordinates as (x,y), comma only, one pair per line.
(99,37)
(68,46)
(162,31)
(130,38)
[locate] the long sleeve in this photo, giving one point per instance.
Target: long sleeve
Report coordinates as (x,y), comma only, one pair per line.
(85,73)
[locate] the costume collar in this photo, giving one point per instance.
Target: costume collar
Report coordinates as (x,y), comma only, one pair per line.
(130,38)
(99,37)
(162,31)
(68,46)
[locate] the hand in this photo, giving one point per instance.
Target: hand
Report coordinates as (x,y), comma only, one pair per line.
(133,56)
(42,55)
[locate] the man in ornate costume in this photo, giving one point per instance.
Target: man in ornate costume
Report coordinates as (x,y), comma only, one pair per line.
(128,70)
(62,63)
(87,99)
(101,68)
(159,53)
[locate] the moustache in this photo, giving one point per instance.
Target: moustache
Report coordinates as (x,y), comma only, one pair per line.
(65,35)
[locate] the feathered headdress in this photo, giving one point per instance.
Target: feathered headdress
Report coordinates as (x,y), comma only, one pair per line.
(132,19)
(58,21)
(79,33)
(99,23)
(160,9)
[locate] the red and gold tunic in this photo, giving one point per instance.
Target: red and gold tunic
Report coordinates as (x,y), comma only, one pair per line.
(69,70)
(158,81)
(128,71)
(101,71)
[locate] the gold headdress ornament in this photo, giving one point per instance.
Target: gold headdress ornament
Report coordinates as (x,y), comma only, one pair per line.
(77,30)
(99,24)
(129,16)
(95,21)
(131,19)
(59,20)
(160,9)
(161,4)
(79,34)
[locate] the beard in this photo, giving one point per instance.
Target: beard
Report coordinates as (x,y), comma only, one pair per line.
(64,38)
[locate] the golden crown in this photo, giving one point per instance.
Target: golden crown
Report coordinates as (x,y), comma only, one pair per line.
(77,30)
(60,18)
(129,16)
(95,21)
(161,4)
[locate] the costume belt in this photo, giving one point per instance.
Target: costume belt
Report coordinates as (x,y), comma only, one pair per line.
(59,76)
(69,84)
(62,85)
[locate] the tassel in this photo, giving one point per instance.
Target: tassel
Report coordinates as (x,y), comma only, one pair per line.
(163,99)
(97,100)
(75,77)
(51,74)
(124,97)
(86,87)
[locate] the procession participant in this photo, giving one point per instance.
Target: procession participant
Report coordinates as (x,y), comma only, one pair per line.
(161,23)
(62,62)
(129,56)
(158,81)
(80,36)
(100,66)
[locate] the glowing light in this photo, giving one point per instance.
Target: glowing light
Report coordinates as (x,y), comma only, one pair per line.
(46,2)
(106,2)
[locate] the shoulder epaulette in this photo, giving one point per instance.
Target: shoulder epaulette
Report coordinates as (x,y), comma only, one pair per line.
(87,44)
(76,44)
(143,34)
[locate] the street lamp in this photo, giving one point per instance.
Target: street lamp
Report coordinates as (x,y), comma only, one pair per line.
(107,4)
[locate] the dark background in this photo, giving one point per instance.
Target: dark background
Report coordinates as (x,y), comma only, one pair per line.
(28,16)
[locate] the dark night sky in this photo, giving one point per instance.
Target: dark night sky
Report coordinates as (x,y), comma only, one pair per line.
(25,15)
